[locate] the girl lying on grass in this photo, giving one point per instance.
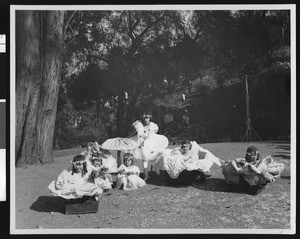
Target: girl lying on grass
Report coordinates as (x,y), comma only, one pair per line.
(72,184)
(190,156)
(128,176)
(251,172)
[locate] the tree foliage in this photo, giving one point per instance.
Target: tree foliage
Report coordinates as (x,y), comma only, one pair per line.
(108,53)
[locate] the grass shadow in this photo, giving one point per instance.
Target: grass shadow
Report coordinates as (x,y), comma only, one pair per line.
(49,204)
(218,185)
(157,179)
(208,184)
(185,178)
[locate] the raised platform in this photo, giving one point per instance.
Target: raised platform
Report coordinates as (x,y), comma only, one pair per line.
(81,205)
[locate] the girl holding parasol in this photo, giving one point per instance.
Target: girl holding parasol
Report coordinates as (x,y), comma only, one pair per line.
(144,145)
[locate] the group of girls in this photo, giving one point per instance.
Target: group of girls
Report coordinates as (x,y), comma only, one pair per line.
(144,143)
(91,170)
(90,175)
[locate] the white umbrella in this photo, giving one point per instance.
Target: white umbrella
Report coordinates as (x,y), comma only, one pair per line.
(118,143)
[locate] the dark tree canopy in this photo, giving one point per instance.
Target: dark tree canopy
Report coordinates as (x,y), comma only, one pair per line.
(113,52)
(113,65)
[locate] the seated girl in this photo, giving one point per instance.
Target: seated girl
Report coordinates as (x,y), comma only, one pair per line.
(190,156)
(98,173)
(252,173)
(128,176)
(72,184)
(107,159)
(232,170)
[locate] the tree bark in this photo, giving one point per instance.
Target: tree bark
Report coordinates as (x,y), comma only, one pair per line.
(38,68)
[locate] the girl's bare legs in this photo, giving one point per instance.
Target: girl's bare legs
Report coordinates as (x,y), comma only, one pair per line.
(121,182)
(146,170)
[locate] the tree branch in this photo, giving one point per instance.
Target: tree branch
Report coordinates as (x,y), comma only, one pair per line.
(136,23)
(69,20)
(97,57)
(149,26)
(132,27)
(197,35)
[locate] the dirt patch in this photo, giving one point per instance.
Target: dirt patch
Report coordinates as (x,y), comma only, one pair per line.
(208,205)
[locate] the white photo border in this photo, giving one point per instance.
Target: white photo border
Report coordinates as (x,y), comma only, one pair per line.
(291,7)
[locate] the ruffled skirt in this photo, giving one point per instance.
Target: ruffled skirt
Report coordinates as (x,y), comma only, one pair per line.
(69,191)
(129,182)
(149,148)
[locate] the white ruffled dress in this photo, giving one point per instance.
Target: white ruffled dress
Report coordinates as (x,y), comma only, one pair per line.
(74,186)
(132,181)
(262,171)
(149,143)
(174,162)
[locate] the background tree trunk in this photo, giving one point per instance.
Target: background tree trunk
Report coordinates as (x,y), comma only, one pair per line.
(120,115)
(38,64)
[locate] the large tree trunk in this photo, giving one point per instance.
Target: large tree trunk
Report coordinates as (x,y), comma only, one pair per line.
(38,57)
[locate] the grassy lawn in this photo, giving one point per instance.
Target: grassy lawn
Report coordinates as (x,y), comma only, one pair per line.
(208,205)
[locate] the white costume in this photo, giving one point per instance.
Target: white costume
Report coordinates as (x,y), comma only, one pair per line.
(131,181)
(144,146)
(260,172)
(103,182)
(74,186)
(108,160)
(149,143)
(174,162)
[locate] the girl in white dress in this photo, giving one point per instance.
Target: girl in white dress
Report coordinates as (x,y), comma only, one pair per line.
(149,142)
(252,172)
(107,159)
(72,184)
(190,156)
(128,176)
(98,173)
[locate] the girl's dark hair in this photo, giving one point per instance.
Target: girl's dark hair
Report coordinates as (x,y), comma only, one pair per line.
(97,155)
(77,158)
(186,142)
(251,149)
(128,155)
(148,113)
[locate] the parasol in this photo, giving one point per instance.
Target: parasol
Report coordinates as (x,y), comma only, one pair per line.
(118,143)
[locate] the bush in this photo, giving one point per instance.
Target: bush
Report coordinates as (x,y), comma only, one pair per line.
(76,128)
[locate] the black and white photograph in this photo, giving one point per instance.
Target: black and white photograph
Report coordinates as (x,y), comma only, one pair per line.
(146,119)
(2,117)
(2,151)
